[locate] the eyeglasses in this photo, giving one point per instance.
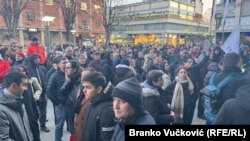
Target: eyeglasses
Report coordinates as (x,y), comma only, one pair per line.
(68,67)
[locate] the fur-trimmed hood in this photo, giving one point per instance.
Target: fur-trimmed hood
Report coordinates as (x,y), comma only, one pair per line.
(148,90)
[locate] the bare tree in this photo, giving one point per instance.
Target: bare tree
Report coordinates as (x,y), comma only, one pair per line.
(111,10)
(70,9)
(11,11)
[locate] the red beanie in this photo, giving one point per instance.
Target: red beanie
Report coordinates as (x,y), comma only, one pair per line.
(21,54)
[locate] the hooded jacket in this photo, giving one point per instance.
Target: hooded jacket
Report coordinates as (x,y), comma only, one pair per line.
(107,68)
(99,121)
(37,48)
(37,70)
(14,123)
(123,72)
(156,104)
(237,110)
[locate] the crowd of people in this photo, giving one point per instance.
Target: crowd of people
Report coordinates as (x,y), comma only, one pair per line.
(97,91)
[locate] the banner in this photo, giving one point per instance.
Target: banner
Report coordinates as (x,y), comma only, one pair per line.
(225,13)
(233,41)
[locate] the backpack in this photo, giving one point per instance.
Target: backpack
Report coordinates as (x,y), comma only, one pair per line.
(212,97)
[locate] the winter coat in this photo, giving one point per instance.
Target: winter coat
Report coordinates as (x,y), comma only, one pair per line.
(96,64)
(53,88)
(230,89)
(32,110)
(10,52)
(69,89)
(188,100)
(138,119)
(236,111)
(155,103)
(123,72)
(36,88)
(80,111)
(39,49)
(4,68)
(107,68)
(99,121)
(139,65)
(38,71)
(14,123)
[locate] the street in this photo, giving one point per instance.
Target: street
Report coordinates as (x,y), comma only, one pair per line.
(50,136)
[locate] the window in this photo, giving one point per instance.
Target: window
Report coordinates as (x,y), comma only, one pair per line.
(85,24)
(68,3)
(97,23)
(84,6)
(30,17)
(183,6)
(190,8)
(97,8)
(174,4)
(49,2)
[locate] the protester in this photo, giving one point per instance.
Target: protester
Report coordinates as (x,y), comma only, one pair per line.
(35,47)
(14,123)
(235,111)
(99,118)
(127,105)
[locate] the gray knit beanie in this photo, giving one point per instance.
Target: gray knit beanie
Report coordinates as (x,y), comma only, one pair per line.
(130,91)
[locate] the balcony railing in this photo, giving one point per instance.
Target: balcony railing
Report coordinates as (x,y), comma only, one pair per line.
(129,19)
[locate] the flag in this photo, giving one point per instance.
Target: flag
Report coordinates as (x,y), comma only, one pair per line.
(233,41)
(225,12)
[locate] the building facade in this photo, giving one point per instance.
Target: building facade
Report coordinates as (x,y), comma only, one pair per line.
(87,26)
(238,13)
(161,21)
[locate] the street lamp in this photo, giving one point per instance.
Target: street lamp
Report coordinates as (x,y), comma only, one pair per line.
(47,20)
(74,40)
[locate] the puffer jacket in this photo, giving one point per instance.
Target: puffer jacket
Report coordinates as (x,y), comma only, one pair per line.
(14,123)
(53,88)
(156,104)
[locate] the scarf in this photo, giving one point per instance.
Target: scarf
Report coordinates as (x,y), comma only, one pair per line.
(177,104)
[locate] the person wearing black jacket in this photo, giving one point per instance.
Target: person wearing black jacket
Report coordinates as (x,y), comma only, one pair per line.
(69,89)
(39,71)
(58,99)
(99,121)
(232,64)
(107,67)
(235,111)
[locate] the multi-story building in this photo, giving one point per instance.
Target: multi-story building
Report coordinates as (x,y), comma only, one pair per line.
(238,13)
(161,21)
(87,24)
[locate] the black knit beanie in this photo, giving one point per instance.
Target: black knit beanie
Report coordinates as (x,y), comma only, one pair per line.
(130,91)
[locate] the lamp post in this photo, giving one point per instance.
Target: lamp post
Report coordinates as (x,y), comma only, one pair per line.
(74,40)
(47,20)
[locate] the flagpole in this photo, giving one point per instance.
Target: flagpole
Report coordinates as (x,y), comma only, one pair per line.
(211,22)
(224,19)
(223,33)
